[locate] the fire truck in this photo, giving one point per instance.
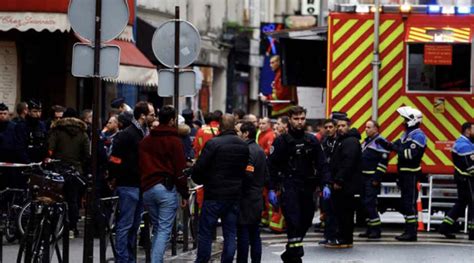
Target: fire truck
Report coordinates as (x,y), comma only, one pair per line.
(421,56)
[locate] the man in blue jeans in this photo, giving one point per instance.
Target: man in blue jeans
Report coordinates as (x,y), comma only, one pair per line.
(162,161)
(221,169)
(125,173)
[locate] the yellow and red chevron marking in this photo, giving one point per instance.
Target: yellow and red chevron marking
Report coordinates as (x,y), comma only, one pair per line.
(451,34)
(350,53)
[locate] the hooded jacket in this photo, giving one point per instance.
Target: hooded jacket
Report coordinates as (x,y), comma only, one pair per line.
(161,155)
(68,141)
(184,132)
(346,162)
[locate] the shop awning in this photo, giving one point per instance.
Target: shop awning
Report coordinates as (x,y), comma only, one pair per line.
(135,68)
(430,34)
(24,21)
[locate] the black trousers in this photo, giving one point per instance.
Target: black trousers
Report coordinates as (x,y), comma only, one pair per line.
(344,206)
(369,200)
(298,208)
(409,194)
(465,186)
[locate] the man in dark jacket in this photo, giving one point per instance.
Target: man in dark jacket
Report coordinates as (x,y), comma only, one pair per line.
(221,169)
(345,172)
(34,132)
(124,169)
(297,165)
(69,143)
(162,161)
(11,150)
(251,205)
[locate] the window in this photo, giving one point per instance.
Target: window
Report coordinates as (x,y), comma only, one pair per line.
(448,73)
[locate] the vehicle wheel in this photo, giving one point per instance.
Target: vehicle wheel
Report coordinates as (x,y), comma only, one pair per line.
(24,216)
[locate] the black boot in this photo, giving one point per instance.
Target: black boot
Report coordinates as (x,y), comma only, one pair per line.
(374,233)
(446,230)
(292,254)
(410,233)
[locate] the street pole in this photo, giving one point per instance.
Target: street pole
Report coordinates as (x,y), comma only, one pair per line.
(176,62)
(88,252)
(376,63)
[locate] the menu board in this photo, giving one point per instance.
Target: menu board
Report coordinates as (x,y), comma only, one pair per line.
(8,73)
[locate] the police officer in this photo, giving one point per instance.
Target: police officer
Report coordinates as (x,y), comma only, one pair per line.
(374,166)
(410,149)
(294,159)
(35,132)
(463,159)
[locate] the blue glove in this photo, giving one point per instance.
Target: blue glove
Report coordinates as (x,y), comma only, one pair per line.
(326,193)
(272,198)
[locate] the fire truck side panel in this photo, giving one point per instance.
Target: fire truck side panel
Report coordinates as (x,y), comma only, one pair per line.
(350,54)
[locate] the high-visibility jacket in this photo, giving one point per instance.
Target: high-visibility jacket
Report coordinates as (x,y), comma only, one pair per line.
(265,140)
(203,135)
(280,92)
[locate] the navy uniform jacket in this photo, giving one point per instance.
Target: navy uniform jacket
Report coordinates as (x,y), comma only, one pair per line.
(298,155)
(410,149)
(374,158)
(463,157)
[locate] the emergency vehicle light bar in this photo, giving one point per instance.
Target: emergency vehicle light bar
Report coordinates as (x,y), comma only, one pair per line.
(406,8)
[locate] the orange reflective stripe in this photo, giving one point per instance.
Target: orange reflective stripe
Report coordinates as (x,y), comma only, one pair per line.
(50,153)
(250,168)
(115,160)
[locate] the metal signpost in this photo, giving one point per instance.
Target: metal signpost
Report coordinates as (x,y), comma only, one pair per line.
(176,44)
(97,21)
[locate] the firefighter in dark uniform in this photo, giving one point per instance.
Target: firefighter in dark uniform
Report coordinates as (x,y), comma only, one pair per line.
(294,160)
(410,149)
(374,166)
(35,133)
(463,160)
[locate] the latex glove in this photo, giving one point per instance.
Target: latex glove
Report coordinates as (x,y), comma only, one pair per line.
(326,193)
(273,198)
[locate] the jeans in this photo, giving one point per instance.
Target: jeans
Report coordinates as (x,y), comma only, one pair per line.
(249,235)
(128,222)
(228,211)
(162,206)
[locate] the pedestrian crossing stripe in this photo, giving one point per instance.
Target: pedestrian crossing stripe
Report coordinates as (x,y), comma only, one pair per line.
(349,83)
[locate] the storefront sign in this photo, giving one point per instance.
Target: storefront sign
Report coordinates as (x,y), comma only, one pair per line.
(8,74)
(300,21)
(438,54)
(23,21)
(310,7)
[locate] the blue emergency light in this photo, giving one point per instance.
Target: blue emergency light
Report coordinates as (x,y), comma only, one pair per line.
(463,10)
(434,9)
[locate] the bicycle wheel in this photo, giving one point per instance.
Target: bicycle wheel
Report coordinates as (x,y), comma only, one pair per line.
(24,215)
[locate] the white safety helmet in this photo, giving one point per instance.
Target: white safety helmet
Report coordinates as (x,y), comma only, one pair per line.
(413,116)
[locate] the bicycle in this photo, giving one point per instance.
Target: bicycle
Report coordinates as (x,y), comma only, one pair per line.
(44,219)
(11,200)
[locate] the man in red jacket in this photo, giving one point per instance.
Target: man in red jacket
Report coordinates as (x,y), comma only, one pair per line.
(280,92)
(162,161)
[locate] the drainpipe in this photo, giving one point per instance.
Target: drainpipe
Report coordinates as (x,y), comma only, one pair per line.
(376,63)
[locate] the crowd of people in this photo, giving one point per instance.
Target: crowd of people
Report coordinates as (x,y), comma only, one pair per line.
(253,172)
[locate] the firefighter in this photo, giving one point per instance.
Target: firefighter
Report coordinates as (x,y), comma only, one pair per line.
(374,166)
(463,159)
(280,92)
(410,149)
(294,159)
